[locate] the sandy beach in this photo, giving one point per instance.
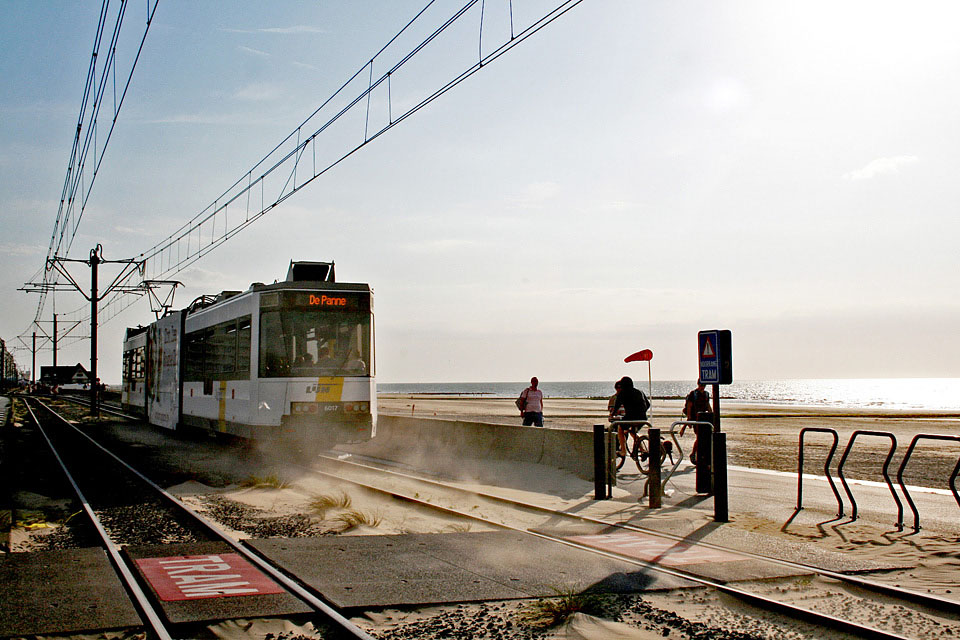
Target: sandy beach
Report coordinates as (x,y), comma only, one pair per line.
(758,436)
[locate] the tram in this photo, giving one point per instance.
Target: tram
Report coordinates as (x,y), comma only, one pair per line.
(293,359)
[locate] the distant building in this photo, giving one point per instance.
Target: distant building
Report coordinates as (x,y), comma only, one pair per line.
(61,376)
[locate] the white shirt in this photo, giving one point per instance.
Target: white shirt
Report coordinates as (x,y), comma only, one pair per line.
(534,399)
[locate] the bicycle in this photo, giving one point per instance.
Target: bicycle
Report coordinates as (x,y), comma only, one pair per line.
(638,448)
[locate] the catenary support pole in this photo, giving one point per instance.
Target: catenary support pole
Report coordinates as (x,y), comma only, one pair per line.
(33,363)
(54,340)
(94,263)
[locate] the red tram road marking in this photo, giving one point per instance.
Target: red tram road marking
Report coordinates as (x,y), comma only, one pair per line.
(651,549)
(205,576)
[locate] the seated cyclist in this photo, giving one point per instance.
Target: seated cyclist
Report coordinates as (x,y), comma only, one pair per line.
(634,404)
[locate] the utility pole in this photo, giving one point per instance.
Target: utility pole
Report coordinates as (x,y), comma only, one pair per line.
(94,381)
(94,298)
(33,363)
(3,364)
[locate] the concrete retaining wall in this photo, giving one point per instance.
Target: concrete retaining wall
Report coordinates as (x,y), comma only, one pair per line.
(426,441)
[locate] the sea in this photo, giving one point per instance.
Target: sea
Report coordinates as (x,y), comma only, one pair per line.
(935,394)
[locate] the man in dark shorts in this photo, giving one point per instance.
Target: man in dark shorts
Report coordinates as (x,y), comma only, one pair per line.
(634,403)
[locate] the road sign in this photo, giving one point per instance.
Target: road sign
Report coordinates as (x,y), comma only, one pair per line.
(716,360)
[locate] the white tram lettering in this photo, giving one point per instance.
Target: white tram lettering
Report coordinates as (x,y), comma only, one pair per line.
(219,589)
(197,579)
(207,577)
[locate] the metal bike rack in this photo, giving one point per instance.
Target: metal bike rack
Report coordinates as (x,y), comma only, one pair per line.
(826,468)
(886,476)
(903,465)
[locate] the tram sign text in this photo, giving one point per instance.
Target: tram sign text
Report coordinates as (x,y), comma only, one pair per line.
(324,300)
(715,357)
(347,301)
(205,576)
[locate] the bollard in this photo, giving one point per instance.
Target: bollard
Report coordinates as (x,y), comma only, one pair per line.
(704,459)
(720,510)
(601,466)
(653,478)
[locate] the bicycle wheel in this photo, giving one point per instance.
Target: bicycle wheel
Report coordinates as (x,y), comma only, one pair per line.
(641,453)
(621,457)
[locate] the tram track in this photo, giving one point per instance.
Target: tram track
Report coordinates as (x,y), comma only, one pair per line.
(423,498)
(76,466)
(395,484)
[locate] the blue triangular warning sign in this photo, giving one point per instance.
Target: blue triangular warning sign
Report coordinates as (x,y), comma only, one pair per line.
(708,351)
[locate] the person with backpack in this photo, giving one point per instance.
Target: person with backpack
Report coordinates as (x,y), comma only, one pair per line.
(635,404)
(530,404)
(696,403)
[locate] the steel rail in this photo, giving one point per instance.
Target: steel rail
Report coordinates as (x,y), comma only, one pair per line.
(307,596)
(926,599)
(763,602)
(104,408)
(120,566)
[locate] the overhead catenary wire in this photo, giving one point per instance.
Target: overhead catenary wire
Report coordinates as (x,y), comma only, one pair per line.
(85,143)
(213,226)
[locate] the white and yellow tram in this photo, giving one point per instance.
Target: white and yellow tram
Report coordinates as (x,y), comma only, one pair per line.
(290,359)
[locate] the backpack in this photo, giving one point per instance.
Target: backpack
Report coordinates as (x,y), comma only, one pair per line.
(646,401)
(521,402)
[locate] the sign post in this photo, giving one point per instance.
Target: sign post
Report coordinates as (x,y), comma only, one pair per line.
(715,358)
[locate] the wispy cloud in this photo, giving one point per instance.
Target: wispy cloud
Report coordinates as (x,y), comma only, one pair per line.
(537,193)
(256,92)
(881,166)
(255,52)
(215,119)
(293,30)
(9,249)
(136,231)
(441,245)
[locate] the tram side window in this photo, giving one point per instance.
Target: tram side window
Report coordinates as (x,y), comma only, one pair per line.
(243,346)
(137,362)
(195,355)
(220,352)
(221,349)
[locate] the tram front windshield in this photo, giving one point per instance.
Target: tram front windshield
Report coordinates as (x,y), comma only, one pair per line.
(313,342)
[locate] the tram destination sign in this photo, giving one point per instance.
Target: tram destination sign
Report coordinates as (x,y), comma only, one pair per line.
(320,300)
(715,357)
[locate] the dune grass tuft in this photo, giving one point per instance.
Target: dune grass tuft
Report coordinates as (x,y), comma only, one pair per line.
(266,482)
(352,519)
(323,503)
(549,612)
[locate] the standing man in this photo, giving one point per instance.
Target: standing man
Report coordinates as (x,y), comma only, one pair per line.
(697,402)
(531,404)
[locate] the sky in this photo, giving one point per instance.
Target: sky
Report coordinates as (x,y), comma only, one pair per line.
(632,174)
